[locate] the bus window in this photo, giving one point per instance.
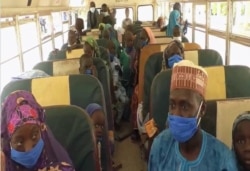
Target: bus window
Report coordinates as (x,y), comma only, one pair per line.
(239,54)
(57,22)
(218,44)
(218,15)
(8,70)
(31,58)
(65,16)
(29,36)
(58,42)
(47,48)
(241,18)
(200,14)
(187,12)
(120,16)
(9,47)
(200,37)
(75,3)
(45,26)
(145,13)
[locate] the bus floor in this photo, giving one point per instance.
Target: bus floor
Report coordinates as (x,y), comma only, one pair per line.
(129,154)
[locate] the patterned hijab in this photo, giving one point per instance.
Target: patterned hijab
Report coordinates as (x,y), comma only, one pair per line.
(21,108)
(150,35)
(91,41)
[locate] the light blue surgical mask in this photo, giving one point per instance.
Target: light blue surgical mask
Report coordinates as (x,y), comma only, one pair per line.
(28,159)
(174,59)
(183,129)
(88,71)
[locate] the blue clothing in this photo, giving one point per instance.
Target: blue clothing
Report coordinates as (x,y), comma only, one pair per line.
(214,155)
(172,22)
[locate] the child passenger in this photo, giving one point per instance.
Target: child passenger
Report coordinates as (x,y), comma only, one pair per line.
(241,141)
(87,66)
(27,142)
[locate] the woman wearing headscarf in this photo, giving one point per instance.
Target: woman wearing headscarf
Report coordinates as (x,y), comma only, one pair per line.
(174,19)
(27,142)
(241,143)
(91,47)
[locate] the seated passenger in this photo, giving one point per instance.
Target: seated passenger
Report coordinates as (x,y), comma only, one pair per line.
(72,40)
(87,66)
(119,90)
(147,37)
(79,25)
(184,145)
(91,48)
(27,142)
(174,53)
(240,136)
(96,114)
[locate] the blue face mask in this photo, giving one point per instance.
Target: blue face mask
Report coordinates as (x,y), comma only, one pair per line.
(183,128)
(28,159)
(88,71)
(174,59)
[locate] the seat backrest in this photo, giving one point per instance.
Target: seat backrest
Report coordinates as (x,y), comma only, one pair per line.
(162,40)
(214,121)
(79,90)
(75,53)
(202,57)
(159,34)
(148,50)
(71,126)
(71,66)
(223,82)
(56,55)
(95,36)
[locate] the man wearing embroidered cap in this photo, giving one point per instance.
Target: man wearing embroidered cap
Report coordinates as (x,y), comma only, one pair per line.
(184,145)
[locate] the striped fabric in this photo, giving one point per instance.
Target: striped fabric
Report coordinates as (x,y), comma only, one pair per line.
(79,90)
(223,82)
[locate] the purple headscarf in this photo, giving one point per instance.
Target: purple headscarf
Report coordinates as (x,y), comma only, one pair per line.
(20,108)
(91,108)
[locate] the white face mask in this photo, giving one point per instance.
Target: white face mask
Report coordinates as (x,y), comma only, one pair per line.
(92,9)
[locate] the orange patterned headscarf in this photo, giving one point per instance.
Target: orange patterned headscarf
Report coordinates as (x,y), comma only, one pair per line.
(150,35)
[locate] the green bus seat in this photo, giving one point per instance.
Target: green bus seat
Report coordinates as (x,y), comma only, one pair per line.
(202,57)
(71,126)
(79,90)
(223,82)
(71,66)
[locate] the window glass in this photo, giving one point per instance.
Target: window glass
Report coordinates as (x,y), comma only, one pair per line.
(237,56)
(58,42)
(145,13)
(73,16)
(45,26)
(189,34)
(218,15)
(65,37)
(241,18)
(200,14)
(120,16)
(187,12)
(9,46)
(75,3)
(57,22)
(31,58)
(218,44)
(8,70)
(29,36)
(65,16)
(65,27)
(47,48)
(200,38)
